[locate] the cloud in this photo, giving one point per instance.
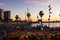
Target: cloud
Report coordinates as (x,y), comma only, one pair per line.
(2,4)
(39,2)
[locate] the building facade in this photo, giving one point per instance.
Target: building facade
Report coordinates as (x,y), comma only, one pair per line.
(7,16)
(1,14)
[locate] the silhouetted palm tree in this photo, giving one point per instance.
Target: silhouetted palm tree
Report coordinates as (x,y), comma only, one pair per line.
(28,15)
(16,17)
(41,14)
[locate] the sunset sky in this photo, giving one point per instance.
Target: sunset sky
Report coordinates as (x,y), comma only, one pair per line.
(20,7)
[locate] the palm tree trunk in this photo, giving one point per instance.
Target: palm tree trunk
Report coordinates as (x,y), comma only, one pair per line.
(41,20)
(28,19)
(42,29)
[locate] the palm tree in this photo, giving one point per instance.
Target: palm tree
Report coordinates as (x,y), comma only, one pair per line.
(41,14)
(16,17)
(28,15)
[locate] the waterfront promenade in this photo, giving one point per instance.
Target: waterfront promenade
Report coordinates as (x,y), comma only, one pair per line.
(23,30)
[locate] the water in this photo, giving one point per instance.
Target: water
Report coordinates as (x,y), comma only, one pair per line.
(51,24)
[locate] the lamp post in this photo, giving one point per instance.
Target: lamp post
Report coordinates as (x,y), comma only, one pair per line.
(37,19)
(59,20)
(25,16)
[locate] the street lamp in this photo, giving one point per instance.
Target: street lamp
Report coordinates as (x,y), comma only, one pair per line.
(59,15)
(37,19)
(59,20)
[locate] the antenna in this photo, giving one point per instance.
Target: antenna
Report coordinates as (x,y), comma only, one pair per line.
(27,10)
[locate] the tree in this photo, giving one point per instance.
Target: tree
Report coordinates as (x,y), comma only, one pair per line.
(28,15)
(16,17)
(41,14)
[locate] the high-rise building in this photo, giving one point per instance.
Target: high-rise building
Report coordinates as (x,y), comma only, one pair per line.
(7,16)
(1,14)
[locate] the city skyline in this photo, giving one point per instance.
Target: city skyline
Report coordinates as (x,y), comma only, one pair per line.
(20,7)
